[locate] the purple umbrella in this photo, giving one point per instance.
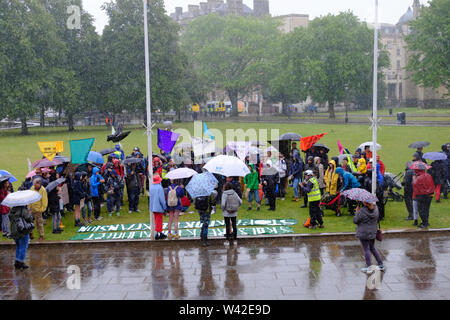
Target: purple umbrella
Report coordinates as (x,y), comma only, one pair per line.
(435,156)
(360,195)
(44,163)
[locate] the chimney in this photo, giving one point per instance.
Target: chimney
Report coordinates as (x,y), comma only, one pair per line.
(416,8)
(194,10)
(178,13)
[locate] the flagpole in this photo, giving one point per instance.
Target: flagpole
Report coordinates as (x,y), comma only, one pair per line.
(149,118)
(375,102)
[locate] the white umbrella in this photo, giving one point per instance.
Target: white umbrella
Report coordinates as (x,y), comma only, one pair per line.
(227,166)
(363,145)
(21,198)
(180,173)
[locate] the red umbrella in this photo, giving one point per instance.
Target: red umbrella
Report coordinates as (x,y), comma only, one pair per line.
(419,165)
(44,163)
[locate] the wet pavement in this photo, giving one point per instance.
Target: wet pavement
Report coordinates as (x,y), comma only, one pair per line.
(418,267)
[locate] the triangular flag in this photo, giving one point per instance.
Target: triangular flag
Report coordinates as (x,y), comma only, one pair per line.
(307,142)
(206,131)
(341,147)
(49,149)
(79,150)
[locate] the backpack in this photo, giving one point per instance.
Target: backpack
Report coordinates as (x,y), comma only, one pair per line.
(232,203)
(172,199)
(202,203)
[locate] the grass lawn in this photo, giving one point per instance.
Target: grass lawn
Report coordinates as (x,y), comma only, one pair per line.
(395,153)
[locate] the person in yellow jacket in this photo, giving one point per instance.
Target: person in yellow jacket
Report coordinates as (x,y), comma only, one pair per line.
(311,187)
(362,166)
(38,208)
(331,178)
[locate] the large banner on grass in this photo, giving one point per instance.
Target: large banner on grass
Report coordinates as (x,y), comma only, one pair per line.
(184,233)
(188,225)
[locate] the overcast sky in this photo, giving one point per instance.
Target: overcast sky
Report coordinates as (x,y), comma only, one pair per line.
(390,10)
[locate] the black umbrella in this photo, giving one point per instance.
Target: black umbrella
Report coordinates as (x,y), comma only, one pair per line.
(132,160)
(52,185)
(269,171)
(419,144)
(290,136)
(107,151)
(320,145)
(118,136)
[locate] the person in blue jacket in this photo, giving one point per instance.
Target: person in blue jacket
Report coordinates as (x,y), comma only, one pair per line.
(96,181)
(119,150)
(350,182)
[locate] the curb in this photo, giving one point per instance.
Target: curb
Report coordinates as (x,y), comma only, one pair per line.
(246,239)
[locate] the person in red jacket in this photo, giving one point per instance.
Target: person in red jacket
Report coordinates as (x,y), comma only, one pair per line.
(4,211)
(157,166)
(423,190)
(118,167)
(382,166)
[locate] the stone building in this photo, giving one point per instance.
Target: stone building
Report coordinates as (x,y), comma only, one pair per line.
(401,90)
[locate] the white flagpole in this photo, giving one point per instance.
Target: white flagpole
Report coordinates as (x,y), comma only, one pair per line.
(149,117)
(375,102)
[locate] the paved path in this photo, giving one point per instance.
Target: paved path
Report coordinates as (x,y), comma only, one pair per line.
(418,267)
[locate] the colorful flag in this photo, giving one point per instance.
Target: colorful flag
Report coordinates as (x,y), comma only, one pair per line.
(167,140)
(206,131)
(307,142)
(50,148)
(79,150)
(341,147)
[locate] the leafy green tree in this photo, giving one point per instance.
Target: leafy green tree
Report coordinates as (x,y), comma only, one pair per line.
(338,59)
(124,76)
(429,43)
(231,53)
(29,49)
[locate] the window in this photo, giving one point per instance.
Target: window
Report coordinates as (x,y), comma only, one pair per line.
(398,64)
(399,52)
(389,45)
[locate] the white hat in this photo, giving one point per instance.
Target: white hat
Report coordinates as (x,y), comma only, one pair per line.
(308,172)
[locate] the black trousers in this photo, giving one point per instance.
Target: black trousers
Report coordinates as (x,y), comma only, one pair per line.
(315,213)
(282,187)
(424,203)
(96,201)
(409,204)
(230,222)
(351,206)
(271,196)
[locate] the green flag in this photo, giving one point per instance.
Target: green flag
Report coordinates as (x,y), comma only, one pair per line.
(79,150)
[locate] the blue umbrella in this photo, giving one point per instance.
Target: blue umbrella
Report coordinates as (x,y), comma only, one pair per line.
(202,185)
(95,157)
(6,173)
(435,156)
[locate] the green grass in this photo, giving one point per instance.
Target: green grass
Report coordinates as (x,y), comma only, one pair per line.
(395,153)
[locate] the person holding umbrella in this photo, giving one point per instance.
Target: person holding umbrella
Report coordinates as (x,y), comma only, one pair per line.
(366,220)
(311,187)
(53,205)
(423,190)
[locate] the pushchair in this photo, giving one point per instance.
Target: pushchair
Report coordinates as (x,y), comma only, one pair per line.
(391,184)
(333,202)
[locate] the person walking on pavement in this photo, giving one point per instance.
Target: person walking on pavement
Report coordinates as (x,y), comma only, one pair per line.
(366,220)
(251,183)
(39,207)
(158,206)
(230,205)
(311,187)
(20,232)
(423,190)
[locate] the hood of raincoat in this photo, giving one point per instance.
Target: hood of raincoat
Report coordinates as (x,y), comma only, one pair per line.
(332,162)
(118,147)
(77,176)
(339,171)
(96,170)
(317,160)
(311,158)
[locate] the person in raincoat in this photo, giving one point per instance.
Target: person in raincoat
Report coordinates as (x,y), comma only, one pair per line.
(311,187)
(4,191)
(331,179)
(20,236)
(295,174)
(158,206)
(439,173)
(78,198)
(407,183)
(446,150)
(119,152)
(349,182)
(362,167)
(310,166)
(423,190)
(270,185)
(53,205)
(114,187)
(96,183)
(251,184)
(39,207)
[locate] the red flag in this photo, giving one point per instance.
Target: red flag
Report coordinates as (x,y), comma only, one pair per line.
(307,142)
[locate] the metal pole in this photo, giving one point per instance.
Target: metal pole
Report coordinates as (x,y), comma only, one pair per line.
(149,117)
(375,102)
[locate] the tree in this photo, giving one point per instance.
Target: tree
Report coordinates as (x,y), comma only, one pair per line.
(29,49)
(124,76)
(429,44)
(338,58)
(231,52)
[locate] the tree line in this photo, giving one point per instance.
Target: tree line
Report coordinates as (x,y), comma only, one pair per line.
(45,64)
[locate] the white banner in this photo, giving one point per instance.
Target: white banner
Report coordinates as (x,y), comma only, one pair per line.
(202,147)
(240,147)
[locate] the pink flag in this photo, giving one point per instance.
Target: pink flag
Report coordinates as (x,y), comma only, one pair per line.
(341,147)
